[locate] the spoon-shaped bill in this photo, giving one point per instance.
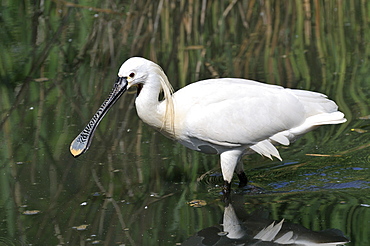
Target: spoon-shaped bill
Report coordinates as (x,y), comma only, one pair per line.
(82,142)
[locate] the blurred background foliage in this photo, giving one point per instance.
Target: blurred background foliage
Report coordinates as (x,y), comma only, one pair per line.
(59,60)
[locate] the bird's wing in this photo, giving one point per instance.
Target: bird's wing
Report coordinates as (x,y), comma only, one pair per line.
(237,111)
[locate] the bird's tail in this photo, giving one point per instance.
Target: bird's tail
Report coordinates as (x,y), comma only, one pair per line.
(319,111)
(317,120)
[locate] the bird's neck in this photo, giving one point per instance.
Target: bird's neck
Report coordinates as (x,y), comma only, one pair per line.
(152,111)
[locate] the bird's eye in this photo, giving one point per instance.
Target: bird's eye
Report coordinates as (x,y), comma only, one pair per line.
(132,75)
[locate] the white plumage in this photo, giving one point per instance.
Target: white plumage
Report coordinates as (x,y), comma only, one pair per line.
(228,116)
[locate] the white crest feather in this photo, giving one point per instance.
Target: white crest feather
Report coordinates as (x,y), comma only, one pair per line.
(169,116)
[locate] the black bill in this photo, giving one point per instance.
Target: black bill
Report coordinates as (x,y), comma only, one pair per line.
(82,142)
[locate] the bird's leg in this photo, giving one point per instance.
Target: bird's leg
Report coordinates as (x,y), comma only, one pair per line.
(226,190)
(229,162)
(243,179)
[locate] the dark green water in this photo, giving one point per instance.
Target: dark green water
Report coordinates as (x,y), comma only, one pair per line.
(134,186)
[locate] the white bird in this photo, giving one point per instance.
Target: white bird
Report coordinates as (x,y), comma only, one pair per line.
(230,117)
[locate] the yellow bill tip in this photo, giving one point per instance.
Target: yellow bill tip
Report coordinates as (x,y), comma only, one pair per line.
(76,152)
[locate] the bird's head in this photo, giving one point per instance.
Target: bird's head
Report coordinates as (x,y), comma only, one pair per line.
(137,70)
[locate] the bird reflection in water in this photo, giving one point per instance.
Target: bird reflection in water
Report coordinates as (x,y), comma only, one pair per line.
(255,229)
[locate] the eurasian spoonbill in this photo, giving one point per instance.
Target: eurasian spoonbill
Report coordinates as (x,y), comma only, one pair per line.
(230,117)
